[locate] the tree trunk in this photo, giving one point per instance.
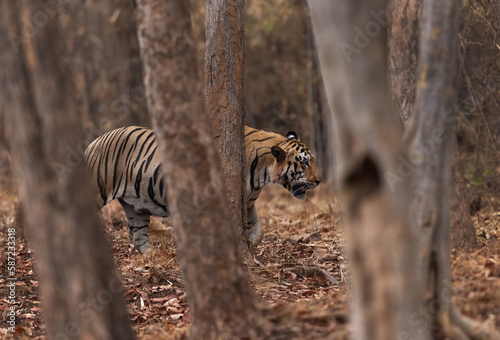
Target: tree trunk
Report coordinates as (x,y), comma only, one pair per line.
(103,51)
(81,293)
(403,35)
(430,135)
(219,294)
(393,264)
(317,106)
(4,160)
(367,134)
(224,90)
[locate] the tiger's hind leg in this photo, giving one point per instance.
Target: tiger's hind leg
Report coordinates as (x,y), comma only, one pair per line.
(138,223)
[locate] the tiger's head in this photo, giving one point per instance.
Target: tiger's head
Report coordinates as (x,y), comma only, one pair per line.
(296,167)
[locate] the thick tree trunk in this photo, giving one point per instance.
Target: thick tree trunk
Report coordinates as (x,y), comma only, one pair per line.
(353,63)
(224,90)
(393,264)
(82,296)
(219,294)
(319,113)
(4,160)
(430,135)
(403,36)
(103,52)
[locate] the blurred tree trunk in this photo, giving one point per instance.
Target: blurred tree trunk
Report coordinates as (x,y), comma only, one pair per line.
(394,265)
(82,297)
(103,51)
(322,140)
(219,294)
(403,51)
(225,102)
(381,245)
(430,135)
(4,159)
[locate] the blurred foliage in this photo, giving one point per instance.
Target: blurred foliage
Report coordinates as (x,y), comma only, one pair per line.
(276,66)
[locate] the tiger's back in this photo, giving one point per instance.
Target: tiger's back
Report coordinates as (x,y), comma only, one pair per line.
(123,164)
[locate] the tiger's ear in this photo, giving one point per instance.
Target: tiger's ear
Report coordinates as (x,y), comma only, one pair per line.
(278,153)
(292,135)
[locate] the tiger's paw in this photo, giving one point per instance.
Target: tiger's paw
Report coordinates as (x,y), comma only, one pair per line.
(254,235)
(144,248)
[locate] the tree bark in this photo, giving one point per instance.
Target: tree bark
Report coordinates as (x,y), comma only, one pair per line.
(393,264)
(224,91)
(381,246)
(403,50)
(430,136)
(219,294)
(4,161)
(103,51)
(319,113)
(403,33)
(82,296)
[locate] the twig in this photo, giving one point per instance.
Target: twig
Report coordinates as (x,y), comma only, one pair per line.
(477,252)
(329,277)
(310,271)
(473,328)
(490,215)
(258,262)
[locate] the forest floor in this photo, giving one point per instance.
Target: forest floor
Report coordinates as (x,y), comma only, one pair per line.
(300,272)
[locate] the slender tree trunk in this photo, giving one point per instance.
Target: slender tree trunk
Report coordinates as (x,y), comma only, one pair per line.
(82,296)
(224,90)
(403,33)
(367,138)
(219,294)
(103,52)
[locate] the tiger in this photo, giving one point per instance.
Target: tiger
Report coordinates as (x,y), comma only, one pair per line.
(125,164)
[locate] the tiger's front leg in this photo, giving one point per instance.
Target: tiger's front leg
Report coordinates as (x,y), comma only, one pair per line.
(138,224)
(254,227)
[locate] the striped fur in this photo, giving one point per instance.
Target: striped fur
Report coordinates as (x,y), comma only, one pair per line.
(124,164)
(273,158)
